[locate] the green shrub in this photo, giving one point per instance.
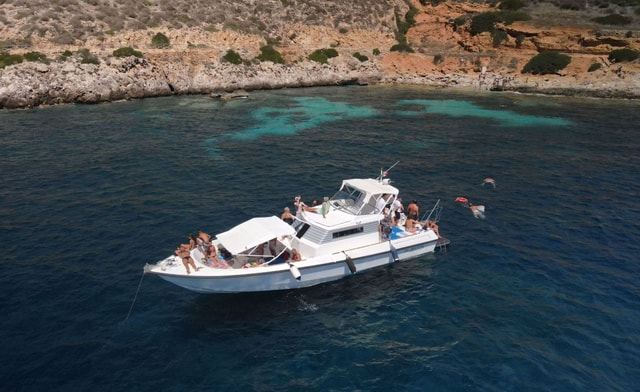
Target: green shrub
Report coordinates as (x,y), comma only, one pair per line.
(160,41)
(376,52)
(459,21)
(594,67)
(362,58)
(232,57)
(498,37)
(546,63)
(318,57)
(512,5)
(87,57)
(613,19)
(410,16)
(574,5)
(622,55)
(330,52)
(402,47)
(7,59)
(508,17)
(403,25)
(626,3)
(483,22)
(36,56)
(126,52)
(486,21)
(268,53)
(323,55)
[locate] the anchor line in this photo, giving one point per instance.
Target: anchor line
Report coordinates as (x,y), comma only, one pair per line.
(136,296)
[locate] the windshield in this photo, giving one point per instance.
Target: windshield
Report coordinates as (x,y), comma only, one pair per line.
(348,199)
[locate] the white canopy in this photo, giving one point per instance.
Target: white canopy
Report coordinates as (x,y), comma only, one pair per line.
(371,186)
(254,232)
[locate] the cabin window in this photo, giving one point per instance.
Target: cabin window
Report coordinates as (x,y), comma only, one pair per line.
(343,233)
(301,230)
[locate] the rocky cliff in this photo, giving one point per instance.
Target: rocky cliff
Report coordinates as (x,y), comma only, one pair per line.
(446,54)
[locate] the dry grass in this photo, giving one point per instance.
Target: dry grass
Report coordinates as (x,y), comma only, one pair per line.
(85,19)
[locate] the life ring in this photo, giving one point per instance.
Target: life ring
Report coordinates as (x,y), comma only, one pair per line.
(461,199)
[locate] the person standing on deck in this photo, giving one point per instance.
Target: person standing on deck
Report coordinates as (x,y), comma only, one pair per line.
(396,211)
(413,211)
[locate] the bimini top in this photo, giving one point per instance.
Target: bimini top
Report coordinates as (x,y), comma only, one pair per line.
(371,186)
(254,232)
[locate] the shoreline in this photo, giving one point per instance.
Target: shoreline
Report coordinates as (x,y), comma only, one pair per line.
(33,84)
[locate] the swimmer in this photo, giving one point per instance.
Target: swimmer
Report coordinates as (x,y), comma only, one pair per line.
(478,211)
(489,180)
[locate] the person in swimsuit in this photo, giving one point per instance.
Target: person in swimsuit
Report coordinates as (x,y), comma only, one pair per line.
(295,255)
(411,225)
(431,224)
(413,211)
(204,239)
(287,216)
(193,243)
(323,209)
(184,252)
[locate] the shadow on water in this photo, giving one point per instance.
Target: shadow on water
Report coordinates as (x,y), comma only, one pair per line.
(366,290)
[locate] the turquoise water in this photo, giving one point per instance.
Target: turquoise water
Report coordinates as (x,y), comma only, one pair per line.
(542,294)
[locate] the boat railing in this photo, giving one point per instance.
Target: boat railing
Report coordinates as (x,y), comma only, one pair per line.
(435,212)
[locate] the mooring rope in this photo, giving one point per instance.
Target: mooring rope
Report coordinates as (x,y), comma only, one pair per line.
(136,296)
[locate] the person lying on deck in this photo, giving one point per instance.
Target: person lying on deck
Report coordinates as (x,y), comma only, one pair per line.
(323,209)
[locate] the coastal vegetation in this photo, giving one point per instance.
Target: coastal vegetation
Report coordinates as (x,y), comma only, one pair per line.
(402,41)
(126,52)
(403,24)
(68,21)
(594,67)
(269,53)
(160,41)
(546,63)
(623,55)
(486,21)
(36,56)
(232,57)
(361,57)
(86,57)
(7,59)
(613,19)
(322,56)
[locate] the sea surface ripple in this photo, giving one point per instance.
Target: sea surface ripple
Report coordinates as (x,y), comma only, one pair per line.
(542,294)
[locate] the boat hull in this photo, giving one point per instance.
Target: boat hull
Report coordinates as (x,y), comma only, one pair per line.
(302,274)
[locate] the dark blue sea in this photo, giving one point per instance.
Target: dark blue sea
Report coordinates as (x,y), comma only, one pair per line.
(540,295)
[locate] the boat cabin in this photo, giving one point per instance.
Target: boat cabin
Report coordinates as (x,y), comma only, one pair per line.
(353,219)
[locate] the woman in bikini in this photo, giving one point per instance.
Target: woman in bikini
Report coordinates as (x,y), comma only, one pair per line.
(184,252)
